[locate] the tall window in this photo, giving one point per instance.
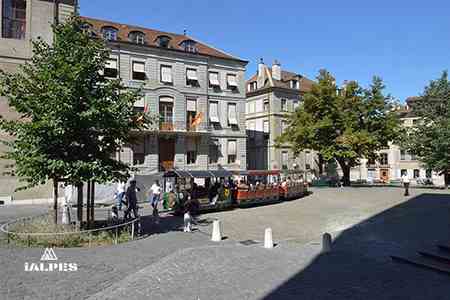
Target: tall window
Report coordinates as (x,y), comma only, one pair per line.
(110,69)
(231,82)
(266,105)
(214,151)
(284,105)
(294,84)
(137,37)
(14,19)
(266,126)
(191,152)
(214,112)
(166,113)
(191,77)
(166,74)
(191,109)
(284,160)
(384,159)
(416,173)
(232,114)
(402,155)
(214,80)
(138,70)
(296,104)
(109,33)
(232,151)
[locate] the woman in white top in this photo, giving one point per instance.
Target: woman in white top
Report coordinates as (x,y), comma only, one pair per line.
(405,181)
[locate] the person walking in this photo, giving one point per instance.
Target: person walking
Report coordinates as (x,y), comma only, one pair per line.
(155,194)
(131,200)
(187,217)
(119,194)
(405,181)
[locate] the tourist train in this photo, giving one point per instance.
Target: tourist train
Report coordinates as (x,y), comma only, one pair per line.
(215,190)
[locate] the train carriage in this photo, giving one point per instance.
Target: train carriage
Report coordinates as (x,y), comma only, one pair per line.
(258,187)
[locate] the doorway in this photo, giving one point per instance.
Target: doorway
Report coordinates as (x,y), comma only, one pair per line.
(166,153)
(384,175)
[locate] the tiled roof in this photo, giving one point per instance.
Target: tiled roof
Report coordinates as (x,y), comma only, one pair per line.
(151,35)
(286,77)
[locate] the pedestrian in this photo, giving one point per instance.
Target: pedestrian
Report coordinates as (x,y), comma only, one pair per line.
(405,181)
(187,217)
(155,194)
(131,200)
(120,192)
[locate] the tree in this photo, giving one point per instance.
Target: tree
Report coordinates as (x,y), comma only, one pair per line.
(430,138)
(72,118)
(344,125)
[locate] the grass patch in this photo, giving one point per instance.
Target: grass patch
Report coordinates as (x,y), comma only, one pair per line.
(63,236)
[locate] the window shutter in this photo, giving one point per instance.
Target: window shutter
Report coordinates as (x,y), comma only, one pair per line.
(166,74)
(138,67)
(191,74)
(232,148)
(214,112)
(191,105)
(232,115)
(111,64)
(214,78)
(231,79)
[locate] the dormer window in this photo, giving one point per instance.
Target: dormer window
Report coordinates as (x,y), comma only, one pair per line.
(163,41)
(89,29)
(295,84)
(109,33)
(252,86)
(137,37)
(189,46)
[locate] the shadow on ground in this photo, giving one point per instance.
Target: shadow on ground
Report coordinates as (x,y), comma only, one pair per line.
(359,267)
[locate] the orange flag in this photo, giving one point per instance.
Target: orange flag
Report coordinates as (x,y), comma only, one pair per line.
(197,120)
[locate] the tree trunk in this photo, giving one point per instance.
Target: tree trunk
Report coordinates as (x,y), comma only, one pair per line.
(92,203)
(320,164)
(346,171)
(55,200)
(88,205)
(80,204)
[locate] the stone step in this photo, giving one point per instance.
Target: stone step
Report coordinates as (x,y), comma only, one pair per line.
(444,247)
(424,262)
(438,256)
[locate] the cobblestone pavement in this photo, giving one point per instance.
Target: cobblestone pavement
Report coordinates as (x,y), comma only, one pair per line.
(175,265)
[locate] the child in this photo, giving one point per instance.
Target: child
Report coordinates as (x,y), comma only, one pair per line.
(187,216)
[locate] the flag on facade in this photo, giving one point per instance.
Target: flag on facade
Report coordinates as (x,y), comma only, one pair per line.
(197,120)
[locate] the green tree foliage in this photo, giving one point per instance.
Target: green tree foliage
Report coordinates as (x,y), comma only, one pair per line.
(72,119)
(342,124)
(429,139)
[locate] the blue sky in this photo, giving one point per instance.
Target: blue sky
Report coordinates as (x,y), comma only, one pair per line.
(407,43)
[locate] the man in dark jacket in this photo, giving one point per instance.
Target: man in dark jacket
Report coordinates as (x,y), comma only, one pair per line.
(131,200)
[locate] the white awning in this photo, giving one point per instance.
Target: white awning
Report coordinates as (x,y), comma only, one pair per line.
(232,114)
(191,74)
(231,79)
(214,79)
(138,67)
(191,105)
(232,148)
(166,99)
(166,74)
(111,63)
(214,112)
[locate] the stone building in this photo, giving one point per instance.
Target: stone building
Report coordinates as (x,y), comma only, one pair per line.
(394,161)
(273,94)
(22,21)
(195,92)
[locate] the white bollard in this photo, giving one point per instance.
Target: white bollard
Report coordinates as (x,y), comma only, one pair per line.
(268,241)
(326,243)
(217,231)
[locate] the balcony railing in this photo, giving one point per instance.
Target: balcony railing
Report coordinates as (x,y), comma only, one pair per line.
(181,126)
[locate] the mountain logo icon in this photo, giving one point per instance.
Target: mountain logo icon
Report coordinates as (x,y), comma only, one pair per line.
(49,255)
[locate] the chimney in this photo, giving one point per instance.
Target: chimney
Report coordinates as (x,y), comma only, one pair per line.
(261,67)
(276,70)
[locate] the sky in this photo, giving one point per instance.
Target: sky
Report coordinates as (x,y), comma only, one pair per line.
(406,43)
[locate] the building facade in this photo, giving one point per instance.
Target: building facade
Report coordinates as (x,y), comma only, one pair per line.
(194,92)
(22,21)
(394,161)
(272,95)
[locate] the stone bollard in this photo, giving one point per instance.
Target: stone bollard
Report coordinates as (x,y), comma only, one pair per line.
(326,243)
(217,231)
(268,241)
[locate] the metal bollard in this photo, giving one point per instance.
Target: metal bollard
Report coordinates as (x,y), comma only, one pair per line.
(326,243)
(217,231)
(132,231)
(117,235)
(268,241)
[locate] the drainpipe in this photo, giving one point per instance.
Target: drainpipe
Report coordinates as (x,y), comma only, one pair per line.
(56,12)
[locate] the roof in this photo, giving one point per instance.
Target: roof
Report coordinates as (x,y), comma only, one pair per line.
(286,77)
(151,36)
